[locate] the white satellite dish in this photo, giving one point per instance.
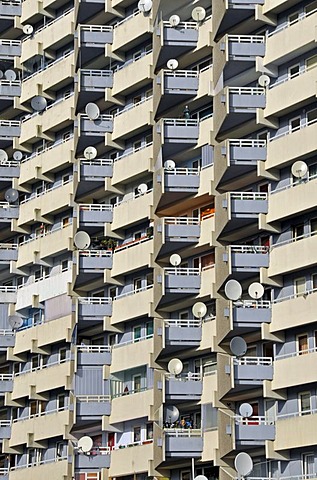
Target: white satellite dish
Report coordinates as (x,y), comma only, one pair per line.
(82,240)
(28,29)
(246,410)
(38,103)
(175,259)
(171,413)
(11,195)
(175,366)
(174,20)
(169,165)
(142,188)
(85,444)
(200,477)
(299,169)
(90,153)
(233,290)
(15,321)
(256,290)
(172,64)
(17,156)
(3,156)
(238,346)
(92,111)
(264,81)
(198,14)
(243,464)
(10,75)
(145,5)
(199,310)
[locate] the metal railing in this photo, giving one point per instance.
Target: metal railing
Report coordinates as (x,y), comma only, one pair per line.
(180,122)
(6,376)
(182,271)
(246,91)
(46,149)
(127,245)
(259,361)
(298,353)
(132,60)
(10,43)
(42,367)
(254,420)
(248,196)
(96,28)
(45,234)
(132,105)
(181,25)
(38,463)
(101,162)
(290,129)
(133,196)
(9,163)
(249,249)
(185,377)
(296,183)
(133,340)
(181,221)
(295,295)
(8,246)
(124,155)
(289,23)
(294,239)
(55,20)
(252,304)
(298,413)
(247,143)
(290,76)
(8,289)
(183,432)
(95,253)
(94,348)
(102,117)
(132,292)
(94,300)
(41,414)
(246,38)
(46,190)
(181,73)
(183,323)
(7,333)
(93,398)
(46,67)
(182,171)
(132,444)
(134,14)
(52,105)
(10,123)
(93,207)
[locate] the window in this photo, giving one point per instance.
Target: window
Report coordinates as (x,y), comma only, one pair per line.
(313,225)
(314,280)
(64,265)
(302,344)
(294,124)
(113,155)
(312,115)
(311,7)
(184,315)
(137,333)
(293,70)
(66,178)
(311,62)
(300,285)
(137,99)
(137,235)
(65,222)
(59,449)
(297,231)
(137,283)
(62,353)
(304,400)
(136,434)
(148,48)
(136,383)
(308,465)
(262,135)
(312,170)
(293,17)
(149,431)
(66,136)
(35,361)
(149,329)
(112,339)
(33,407)
(61,401)
(112,292)
(149,279)
(137,145)
(148,139)
(149,93)
(137,55)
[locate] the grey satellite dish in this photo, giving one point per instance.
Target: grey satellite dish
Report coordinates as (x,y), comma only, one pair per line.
(10,75)
(174,20)
(145,5)
(198,14)
(1,74)
(17,156)
(238,346)
(15,321)
(175,366)
(38,103)
(142,188)
(246,410)
(172,64)
(3,156)
(11,195)
(92,111)
(175,259)
(264,81)
(199,310)
(243,464)
(169,165)
(90,153)
(85,444)
(28,29)
(82,240)
(299,169)
(256,290)
(172,413)
(233,290)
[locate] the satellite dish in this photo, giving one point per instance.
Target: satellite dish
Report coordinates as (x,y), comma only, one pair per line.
(175,259)
(28,29)
(90,153)
(81,240)
(11,195)
(3,156)
(199,310)
(1,74)
(92,111)
(169,165)
(85,444)
(172,413)
(175,366)
(198,14)
(238,346)
(200,477)
(233,290)
(299,169)
(38,103)
(243,464)
(17,156)
(256,290)
(172,64)
(246,410)
(264,81)
(10,75)
(174,20)
(142,188)
(15,321)
(145,5)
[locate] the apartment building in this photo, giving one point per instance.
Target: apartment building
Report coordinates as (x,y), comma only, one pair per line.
(157,257)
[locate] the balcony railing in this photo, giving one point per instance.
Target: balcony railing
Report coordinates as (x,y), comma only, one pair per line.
(96,28)
(249,249)
(46,149)
(303,124)
(132,292)
(301,413)
(262,420)
(182,171)
(41,414)
(181,73)
(182,25)
(117,68)
(182,432)
(124,155)
(252,304)
(183,323)
(91,207)
(55,20)
(132,444)
(124,246)
(181,221)
(296,295)
(6,376)
(246,38)
(296,354)
(97,163)
(180,122)
(45,190)
(248,196)
(38,463)
(95,253)
(42,367)
(52,105)
(46,67)
(93,398)
(132,105)
(294,239)
(182,271)
(289,23)
(290,76)
(94,300)
(266,361)
(246,91)
(185,377)
(93,348)
(8,246)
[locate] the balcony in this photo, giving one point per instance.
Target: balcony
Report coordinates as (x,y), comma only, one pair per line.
(289,428)
(95,80)
(133,209)
(233,12)
(177,134)
(298,366)
(7,339)
(251,313)
(132,256)
(94,261)
(173,42)
(10,49)
(247,258)
(9,170)
(5,429)
(93,39)
(132,457)
(10,8)
(180,180)
(237,158)
(93,131)
(133,304)
(133,119)
(92,407)
(293,311)
(94,215)
(95,460)
(248,204)
(8,253)
(135,72)
(186,386)
(95,170)
(178,232)
(252,370)
(254,430)
(136,352)
(133,164)
(9,88)
(132,404)
(93,355)
(9,129)
(183,333)
(8,294)
(181,281)
(175,87)
(94,308)
(6,382)
(131,30)
(183,443)
(57,467)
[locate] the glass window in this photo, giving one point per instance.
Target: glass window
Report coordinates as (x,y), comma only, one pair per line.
(293,70)
(136,434)
(149,329)
(311,7)
(137,145)
(302,344)
(304,403)
(149,431)
(293,17)
(137,383)
(311,62)
(61,401)
(62,354)
(300,285)
(137,333)
(294,124)
(298,231)
(137,283)
(312,115)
